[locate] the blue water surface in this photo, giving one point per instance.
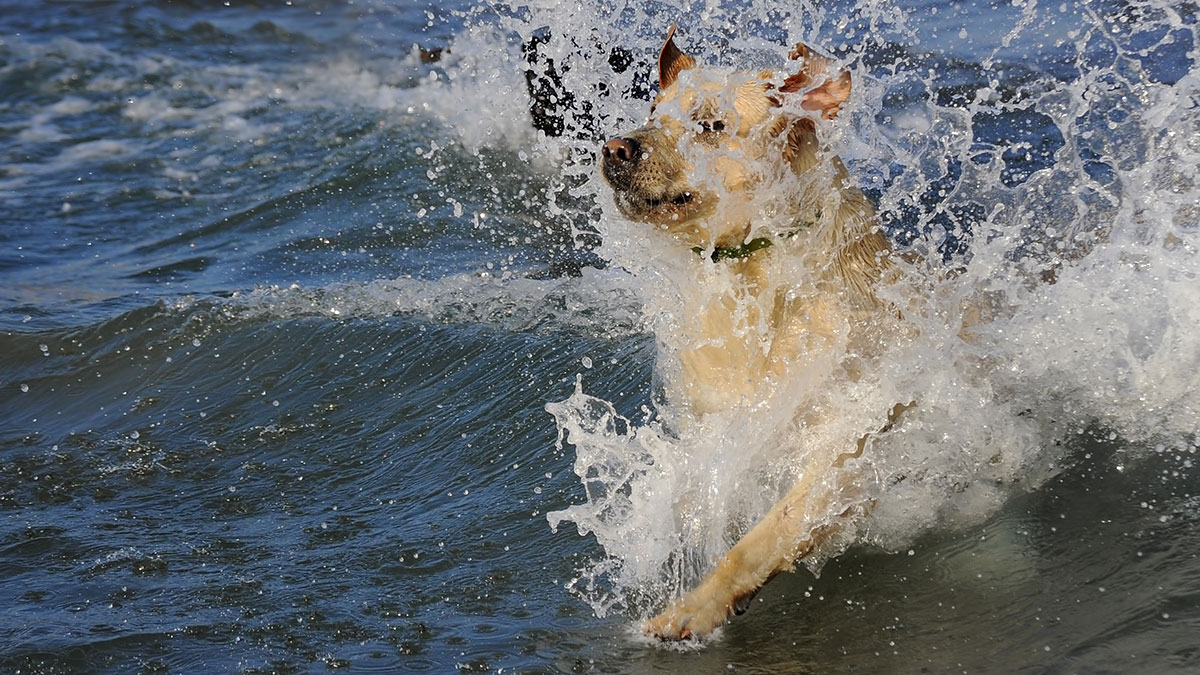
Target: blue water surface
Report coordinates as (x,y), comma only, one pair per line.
(272,390)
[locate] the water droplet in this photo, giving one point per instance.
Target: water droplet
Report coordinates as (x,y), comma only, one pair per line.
(24,388)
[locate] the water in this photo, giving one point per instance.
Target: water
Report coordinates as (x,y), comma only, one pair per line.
(282,308)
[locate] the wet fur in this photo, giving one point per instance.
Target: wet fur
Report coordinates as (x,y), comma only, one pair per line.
(732,126)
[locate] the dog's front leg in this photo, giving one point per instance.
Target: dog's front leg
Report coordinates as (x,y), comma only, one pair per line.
(786,534)
(772,546)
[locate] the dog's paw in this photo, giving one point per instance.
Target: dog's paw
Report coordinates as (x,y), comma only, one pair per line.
(695,616)
(671,625)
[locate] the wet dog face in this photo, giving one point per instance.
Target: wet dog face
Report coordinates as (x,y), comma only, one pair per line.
(712,138)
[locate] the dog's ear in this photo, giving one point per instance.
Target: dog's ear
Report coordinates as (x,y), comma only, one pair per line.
(671,61)
(831,89)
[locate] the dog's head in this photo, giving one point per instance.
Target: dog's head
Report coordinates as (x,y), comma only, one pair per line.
(714,138)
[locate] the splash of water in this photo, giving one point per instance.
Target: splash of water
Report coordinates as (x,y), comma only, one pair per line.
(1063,147)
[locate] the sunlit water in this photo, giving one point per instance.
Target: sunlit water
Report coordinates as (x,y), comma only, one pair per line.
(314,354)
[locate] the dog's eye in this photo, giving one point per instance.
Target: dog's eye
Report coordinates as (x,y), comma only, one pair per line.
(712,125)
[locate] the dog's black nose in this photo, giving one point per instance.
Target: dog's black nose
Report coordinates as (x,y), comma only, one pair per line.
(620,150)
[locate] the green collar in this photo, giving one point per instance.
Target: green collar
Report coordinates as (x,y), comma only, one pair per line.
(745,250)
(726,252)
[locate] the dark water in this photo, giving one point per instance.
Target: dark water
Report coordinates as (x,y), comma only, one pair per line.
(281,307)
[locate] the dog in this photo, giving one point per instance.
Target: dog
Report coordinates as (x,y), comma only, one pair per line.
(730,171)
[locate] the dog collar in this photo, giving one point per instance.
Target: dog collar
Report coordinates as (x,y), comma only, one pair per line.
(745,250)
(726,252)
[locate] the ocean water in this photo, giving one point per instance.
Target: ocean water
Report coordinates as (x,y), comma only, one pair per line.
(316,354)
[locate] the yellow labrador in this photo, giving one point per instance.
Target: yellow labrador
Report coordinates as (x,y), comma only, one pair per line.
(731,165)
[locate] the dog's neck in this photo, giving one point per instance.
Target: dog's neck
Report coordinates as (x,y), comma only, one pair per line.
(848,247)
(748,247)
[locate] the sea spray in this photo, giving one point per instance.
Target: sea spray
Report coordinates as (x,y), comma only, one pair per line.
(1051,202)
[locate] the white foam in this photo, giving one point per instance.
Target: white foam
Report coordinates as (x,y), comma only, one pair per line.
(94,150)
(599,301)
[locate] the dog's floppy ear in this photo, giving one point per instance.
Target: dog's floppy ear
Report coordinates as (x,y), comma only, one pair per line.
(671,61)
(831,90)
